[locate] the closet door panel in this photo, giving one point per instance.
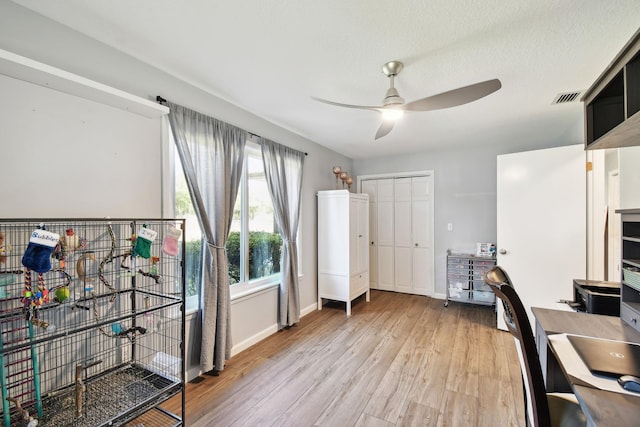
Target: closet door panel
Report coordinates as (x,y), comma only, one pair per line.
(422,271)
(385,212)
(421,212)
(385,245)
(373,267)
(422,247)
(373,246)
(402,229)
(403,235)
(385,189)
(385,268)
(402,211)
(420,223)
(384,230)
(370,187)
(422,218)
(404,269)
(402,189)
(385,224)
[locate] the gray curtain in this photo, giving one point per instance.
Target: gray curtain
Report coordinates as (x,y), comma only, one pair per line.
(283,170)
(212,155)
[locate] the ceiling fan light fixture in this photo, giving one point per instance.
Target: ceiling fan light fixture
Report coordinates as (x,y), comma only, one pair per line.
(392,114)
(393,105)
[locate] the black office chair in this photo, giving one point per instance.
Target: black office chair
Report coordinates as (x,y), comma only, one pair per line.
(542,409)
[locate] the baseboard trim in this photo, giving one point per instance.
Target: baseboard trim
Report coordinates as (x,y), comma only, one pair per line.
(272,329)
(237,348)
(192,373)
(308,309)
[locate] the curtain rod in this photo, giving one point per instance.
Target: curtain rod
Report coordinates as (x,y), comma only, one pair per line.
(255,134)
(161,100)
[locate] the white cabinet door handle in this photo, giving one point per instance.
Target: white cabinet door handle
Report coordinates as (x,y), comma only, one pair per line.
(503,251)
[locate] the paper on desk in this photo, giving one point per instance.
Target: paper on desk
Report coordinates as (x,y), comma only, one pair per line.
(575,367)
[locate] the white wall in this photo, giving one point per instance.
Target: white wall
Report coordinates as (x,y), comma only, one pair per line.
(33,36)
(68,157)
(629,158)
(465,194)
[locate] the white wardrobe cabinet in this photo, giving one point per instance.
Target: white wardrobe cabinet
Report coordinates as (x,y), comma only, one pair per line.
(343,246)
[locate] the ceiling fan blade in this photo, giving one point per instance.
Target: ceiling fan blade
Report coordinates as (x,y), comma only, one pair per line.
(362,107)
(385,128)
(454,97)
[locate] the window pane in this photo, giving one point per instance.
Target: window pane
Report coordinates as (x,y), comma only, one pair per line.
(193,234)
(234,252)
(264,240)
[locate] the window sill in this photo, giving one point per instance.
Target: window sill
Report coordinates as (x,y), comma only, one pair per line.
(245,291)
(191,307)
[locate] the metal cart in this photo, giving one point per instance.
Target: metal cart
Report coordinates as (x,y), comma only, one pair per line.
(465,279)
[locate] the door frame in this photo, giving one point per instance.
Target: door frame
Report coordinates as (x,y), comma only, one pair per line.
(596,223)
(614,223)
(413,174)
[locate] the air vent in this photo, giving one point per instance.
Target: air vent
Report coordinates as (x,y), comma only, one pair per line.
(563,98)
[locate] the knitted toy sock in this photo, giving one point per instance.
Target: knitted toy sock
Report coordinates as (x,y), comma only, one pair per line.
(37,257)
(170,242)
(144,240)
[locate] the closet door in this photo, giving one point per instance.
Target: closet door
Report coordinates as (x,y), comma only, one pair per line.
(385,230)
(401,233)
(421,220)
(403,252)
(370,187)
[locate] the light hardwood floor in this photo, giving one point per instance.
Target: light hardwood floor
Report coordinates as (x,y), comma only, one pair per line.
(399,360)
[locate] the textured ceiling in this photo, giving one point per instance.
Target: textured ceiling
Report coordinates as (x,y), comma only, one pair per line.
(271,57)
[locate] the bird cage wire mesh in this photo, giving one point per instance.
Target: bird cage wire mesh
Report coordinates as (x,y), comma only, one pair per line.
(91,325)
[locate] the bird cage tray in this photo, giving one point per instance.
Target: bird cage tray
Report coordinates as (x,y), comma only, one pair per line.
(156,417)
(107,399)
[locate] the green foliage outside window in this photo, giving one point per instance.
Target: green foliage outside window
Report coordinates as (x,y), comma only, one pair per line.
(193,269)
(264,258)
(183,203)
(264,254)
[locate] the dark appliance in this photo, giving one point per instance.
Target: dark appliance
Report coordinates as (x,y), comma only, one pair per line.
(597,297)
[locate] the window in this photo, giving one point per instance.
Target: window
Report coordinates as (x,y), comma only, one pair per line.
(193,233)
(254,244)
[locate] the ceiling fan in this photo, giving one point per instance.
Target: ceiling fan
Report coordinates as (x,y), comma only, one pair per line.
(393,105)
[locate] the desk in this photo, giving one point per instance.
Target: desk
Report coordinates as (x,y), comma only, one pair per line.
(602,408)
